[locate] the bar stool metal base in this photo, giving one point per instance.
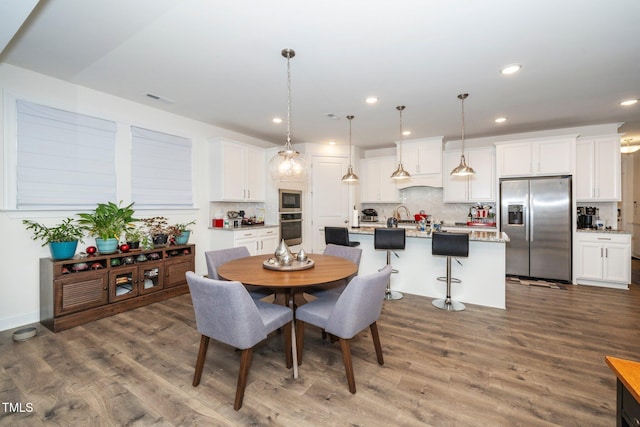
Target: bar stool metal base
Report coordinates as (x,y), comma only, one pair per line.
(390,295)
(448,305)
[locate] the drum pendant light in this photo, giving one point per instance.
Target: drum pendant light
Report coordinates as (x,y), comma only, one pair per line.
(400,173)
(350,176)
(288,164)
(462,169)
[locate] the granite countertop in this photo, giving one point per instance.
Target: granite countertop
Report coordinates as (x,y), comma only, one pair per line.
(474,235)
(590,230)
(245,227)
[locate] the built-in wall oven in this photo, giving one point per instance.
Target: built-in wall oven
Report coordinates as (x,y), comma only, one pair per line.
(290,205)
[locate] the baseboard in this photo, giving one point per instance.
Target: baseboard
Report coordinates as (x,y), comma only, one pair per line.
(24,319)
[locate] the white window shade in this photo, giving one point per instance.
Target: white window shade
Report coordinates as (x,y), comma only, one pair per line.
(64,160)
(161,170)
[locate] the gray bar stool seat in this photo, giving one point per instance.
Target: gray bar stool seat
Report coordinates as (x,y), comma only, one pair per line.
(449,245)
(338,236)
(390,239)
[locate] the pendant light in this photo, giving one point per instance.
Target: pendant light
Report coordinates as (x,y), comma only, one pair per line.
(350,176)
(288,164)
(462,169)
(400,173)
(628,149)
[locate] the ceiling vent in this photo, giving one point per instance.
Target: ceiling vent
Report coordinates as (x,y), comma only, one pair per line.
(332,116)
(161,99)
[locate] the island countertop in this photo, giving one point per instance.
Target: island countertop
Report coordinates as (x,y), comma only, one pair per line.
(474,235)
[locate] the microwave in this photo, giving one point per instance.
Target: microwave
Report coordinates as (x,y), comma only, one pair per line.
(290,200)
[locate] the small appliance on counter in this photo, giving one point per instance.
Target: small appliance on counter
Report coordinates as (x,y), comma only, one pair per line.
(369,215)
(587,217)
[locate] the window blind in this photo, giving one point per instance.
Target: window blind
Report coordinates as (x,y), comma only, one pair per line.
(64,160)
(161,169)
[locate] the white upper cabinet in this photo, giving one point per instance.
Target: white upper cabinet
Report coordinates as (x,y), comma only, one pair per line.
(422,158)
(544,156)
(479,187)
(237,172)
(375,182)
(598,168)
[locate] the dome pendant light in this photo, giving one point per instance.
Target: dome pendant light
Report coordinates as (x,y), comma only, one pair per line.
(400,173)
(350,176)
(462,169)
(288,164)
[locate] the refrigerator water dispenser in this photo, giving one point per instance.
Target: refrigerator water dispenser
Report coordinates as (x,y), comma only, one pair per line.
(515,214)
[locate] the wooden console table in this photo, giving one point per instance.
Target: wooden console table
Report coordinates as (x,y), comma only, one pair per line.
(627,391)
(80,290)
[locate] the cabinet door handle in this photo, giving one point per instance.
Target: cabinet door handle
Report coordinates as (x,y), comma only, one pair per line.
(262,244)
(248,194)
(600,252)
(606,252)
(244,194)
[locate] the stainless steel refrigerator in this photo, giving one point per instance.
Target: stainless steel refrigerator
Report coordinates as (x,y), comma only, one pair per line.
(536,214)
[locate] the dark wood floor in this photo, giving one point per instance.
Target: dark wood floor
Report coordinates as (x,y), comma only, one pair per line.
(538,363)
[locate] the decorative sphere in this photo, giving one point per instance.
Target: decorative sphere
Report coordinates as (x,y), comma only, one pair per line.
(125,247)
(91,250)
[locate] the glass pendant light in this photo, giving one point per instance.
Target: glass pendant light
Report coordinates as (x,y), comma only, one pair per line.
(288,164)
(400,173)
(462,169)
(628,149)
(350,176)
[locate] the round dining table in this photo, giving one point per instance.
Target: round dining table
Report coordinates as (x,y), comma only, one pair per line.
(287,285)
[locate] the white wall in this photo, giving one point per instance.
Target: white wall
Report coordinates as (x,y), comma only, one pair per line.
(19,255)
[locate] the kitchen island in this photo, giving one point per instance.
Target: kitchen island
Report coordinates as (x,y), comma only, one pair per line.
(482,273)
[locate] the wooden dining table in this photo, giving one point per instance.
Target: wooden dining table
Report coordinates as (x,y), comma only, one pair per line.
(287,285)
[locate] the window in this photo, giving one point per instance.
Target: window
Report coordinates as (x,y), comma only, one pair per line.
(161,170)
(64,160)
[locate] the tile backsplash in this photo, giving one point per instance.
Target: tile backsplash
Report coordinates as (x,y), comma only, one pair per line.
(428,199)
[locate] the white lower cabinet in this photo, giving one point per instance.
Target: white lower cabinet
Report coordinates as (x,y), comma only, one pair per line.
(603,259)
(258,241)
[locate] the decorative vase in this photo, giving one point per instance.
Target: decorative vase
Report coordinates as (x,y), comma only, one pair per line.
(301,256)
(107,246)
(62,250)
(160,240)
(183,237)
(283,254)
(134,245)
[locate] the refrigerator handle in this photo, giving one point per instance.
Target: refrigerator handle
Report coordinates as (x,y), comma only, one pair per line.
(531,223)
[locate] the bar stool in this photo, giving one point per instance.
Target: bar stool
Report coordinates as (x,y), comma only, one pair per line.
(449,245)
(338,236)
(390,239)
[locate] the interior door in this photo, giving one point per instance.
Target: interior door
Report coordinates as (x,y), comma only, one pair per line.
(330,197)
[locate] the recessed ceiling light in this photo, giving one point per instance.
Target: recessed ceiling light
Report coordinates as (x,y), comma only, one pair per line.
(406,132)
(277,120)
(500,120)
(332,143)
(628,102)
(371,99)
(510,69)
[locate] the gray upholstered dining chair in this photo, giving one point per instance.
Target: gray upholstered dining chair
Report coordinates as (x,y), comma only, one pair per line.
(216,258)
(225,312)
(347,252)
(345,315)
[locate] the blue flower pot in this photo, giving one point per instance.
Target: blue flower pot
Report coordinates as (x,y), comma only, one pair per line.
(183,238)
(107,246)
(63,250)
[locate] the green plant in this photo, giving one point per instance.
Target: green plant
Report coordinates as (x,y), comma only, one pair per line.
(66,231)
(134,234)
(178,228)
(108,220)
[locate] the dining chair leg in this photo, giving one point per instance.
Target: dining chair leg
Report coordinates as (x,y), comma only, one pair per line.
(294,350)
(287,344)
(299,339)
(245,363)
(202,355)
(348,365)
(376,342)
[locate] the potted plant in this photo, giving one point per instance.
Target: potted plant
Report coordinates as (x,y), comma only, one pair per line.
(107,223)
(133,236)
(181,232)
(62,238)
(159,230)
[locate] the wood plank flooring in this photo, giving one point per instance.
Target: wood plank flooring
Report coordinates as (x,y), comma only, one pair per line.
(538,363)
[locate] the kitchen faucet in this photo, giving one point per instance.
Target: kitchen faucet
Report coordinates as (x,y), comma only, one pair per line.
(406,210)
